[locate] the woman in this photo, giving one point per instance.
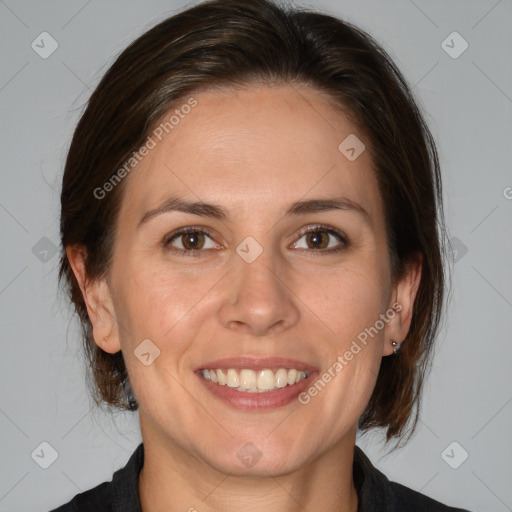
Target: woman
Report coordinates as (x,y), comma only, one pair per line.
(252,235)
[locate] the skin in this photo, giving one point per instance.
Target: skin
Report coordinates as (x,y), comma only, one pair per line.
(253,151)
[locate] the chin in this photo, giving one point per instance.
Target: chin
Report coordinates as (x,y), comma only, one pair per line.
(258,455)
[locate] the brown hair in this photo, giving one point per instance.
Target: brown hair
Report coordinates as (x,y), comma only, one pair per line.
(235,43)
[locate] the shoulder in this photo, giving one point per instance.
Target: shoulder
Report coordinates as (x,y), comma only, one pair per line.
(117,495)
(407,499)
(378,494)
(98,498)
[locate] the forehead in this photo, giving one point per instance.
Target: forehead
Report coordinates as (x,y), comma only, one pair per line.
(254,148)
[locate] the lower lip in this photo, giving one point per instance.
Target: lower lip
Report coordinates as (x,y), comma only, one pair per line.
(258,401)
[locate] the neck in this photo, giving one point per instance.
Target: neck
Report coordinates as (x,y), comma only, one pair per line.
(174,480)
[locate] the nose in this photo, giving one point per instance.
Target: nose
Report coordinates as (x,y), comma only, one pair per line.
(257,300)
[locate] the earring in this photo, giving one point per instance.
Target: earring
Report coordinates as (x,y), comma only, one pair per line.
(104,339)
(396,346)
(130,396)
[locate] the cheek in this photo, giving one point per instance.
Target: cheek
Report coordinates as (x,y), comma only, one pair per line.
(347,300)
(157,303)
(160,302)
(354,299)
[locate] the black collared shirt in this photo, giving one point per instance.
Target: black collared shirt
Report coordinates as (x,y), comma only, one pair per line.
(376,493)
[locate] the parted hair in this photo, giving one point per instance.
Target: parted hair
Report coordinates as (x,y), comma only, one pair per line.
(230,43)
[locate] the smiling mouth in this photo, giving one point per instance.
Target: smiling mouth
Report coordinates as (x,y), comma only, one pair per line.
(251,381)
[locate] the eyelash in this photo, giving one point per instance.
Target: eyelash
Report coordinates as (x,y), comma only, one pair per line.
(199,229)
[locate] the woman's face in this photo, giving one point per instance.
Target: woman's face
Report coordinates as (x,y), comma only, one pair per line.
(245,290)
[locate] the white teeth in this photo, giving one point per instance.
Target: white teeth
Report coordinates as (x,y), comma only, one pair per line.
(281,378)
(248,379)
(292,375)
(221,378)
(266,380)
(233,378)
(254,382)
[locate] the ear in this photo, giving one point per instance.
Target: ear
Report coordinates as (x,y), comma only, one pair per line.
(98,300)
(403,303)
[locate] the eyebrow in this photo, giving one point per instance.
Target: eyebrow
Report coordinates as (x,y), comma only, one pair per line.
(218,212)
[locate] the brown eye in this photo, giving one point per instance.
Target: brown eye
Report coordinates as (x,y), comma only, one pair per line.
(322,238)
(192,240)
(317,239)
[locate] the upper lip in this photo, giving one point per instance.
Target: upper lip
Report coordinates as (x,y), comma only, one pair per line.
(257,363)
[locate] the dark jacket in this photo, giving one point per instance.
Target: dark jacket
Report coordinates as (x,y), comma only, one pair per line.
(376,493)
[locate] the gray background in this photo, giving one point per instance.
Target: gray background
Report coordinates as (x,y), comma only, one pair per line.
(468,101)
